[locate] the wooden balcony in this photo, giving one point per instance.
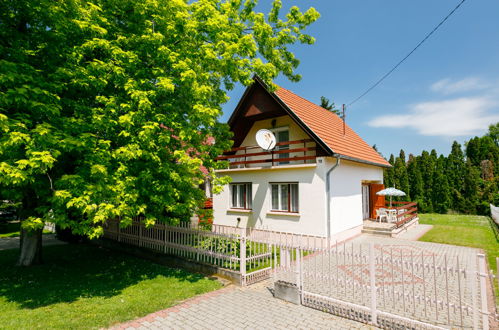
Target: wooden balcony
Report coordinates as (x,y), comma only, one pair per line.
(285,153)
(406,211)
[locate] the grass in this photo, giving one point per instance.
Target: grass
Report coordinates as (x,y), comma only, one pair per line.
(465,230)
(12,229)
(87,287)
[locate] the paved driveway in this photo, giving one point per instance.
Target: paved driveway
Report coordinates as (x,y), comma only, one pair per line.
(233,307)
(405,287)
(418,280)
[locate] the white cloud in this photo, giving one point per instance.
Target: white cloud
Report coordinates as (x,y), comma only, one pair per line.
(454,117)
(449,86)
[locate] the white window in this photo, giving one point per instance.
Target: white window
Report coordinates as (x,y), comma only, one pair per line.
(240,196)
(284,197)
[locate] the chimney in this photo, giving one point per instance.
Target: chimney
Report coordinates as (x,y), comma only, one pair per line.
(344,117)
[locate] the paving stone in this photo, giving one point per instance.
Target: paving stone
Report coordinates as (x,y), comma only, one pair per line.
(246,308)
(254,307)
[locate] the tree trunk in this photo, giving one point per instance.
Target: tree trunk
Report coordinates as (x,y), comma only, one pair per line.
(31,248)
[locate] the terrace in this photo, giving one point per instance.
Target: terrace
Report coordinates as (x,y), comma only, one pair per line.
(285,153)
(401,217)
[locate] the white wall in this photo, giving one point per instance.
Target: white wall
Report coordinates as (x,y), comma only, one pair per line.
(346,192)
(346,198)
(311,217)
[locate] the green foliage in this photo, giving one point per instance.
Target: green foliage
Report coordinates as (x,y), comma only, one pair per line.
(441,193)
(329,105)
(415,179)
(453,183)
(220,245)
(106,106)
(388,173)
(401,179)
(86,287)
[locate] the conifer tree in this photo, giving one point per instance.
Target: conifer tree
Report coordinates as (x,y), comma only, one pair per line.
(441,196)
(400,174)
(415,179)
(427,174)
(388,173)
(455,170)
(470,189)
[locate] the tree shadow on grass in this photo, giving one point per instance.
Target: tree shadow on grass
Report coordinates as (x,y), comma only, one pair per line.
(71,272)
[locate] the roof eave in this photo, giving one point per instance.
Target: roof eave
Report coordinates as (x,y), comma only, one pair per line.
(358,160)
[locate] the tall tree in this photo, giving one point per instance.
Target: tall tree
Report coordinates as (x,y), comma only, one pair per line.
(441,193)
(329,105)
(388,173)
(415,179)
(455,171)
(427,169)
(473,152)
(494,133)
(400,175)
(107,107)
(470,188)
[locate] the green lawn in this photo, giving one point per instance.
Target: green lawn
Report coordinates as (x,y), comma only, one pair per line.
(83,286)
(465,230)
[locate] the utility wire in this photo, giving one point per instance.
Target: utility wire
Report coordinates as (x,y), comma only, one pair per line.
(410,53)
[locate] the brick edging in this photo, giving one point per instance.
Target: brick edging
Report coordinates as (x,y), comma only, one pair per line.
(176,308)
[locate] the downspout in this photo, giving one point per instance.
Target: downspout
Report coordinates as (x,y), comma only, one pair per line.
(328,196)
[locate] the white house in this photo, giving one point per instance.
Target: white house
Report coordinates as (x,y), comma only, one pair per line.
(320,179)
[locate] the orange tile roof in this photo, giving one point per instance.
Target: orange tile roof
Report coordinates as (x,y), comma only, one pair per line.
(329,128)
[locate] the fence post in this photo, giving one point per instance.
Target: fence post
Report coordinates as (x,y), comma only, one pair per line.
(372,277)
(119,230)
(140,234)
(242,256)
(473,279)
(298,269)
(482,273)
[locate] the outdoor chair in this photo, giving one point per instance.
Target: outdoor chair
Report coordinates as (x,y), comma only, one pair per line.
(380,214)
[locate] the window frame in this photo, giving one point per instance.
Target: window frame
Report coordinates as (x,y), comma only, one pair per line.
(290,193)
(276,133)
(248,195)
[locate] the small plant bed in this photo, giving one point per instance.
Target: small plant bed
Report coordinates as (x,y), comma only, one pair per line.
(465,230)
(87,287)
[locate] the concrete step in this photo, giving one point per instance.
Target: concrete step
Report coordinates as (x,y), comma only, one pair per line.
(376,232)
(378,228)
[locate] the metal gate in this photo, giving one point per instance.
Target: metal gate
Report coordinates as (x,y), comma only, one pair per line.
(390,287)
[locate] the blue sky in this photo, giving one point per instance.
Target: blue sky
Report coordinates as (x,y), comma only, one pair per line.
(447,90)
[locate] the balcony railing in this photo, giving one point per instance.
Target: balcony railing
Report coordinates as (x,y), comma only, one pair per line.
(285,153)
(406,211)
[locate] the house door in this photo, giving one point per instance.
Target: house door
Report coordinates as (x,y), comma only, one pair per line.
(365,202)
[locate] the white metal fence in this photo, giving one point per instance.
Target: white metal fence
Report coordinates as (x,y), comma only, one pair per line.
(230,250)
(384,285)
(390,287)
